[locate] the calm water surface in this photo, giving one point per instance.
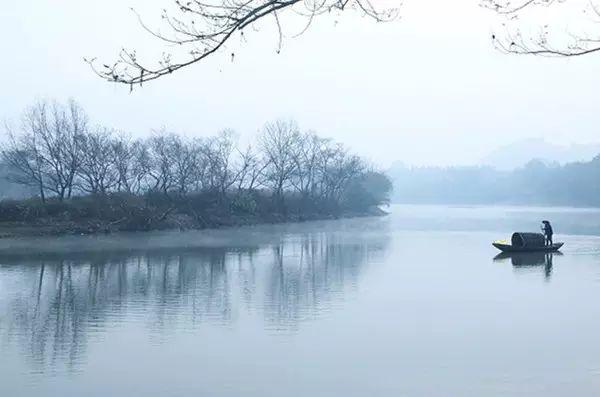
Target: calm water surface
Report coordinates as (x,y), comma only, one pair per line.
(413,304)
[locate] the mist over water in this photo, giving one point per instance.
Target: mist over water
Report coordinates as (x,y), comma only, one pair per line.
(348,307)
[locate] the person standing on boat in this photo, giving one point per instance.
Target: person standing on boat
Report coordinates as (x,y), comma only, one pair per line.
(548,232)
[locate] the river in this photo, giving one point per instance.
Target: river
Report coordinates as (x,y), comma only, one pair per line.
(412,304)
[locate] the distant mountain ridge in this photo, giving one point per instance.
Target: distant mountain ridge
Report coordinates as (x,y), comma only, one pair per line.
(517,154)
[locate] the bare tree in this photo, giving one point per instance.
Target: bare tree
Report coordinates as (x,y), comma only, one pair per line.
(549,38)
(250,170)
(218,152)
(306,159)
(98,171)
(61,129)
(185,161)
(200,28)
(279,142)
(26,164)
(131,163)
(337,168)
(160,170)
(47,152)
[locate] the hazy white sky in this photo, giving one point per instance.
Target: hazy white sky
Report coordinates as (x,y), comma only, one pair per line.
(426,89)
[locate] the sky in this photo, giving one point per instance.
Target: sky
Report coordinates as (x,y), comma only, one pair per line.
(426,89)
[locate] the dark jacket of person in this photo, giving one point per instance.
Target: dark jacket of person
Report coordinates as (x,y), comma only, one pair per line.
(548,229)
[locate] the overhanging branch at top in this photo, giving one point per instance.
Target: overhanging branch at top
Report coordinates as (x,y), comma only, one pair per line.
(544,42)
(199,28)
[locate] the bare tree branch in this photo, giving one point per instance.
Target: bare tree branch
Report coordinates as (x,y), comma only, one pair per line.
(548,41)
(199,28)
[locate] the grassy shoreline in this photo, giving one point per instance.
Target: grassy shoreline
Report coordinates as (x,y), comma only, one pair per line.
(118,213)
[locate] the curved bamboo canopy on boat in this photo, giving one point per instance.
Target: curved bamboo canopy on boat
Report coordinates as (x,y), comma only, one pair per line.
(528,240)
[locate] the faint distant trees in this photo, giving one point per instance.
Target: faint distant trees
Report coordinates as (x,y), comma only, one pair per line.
(58,153)
(535,183)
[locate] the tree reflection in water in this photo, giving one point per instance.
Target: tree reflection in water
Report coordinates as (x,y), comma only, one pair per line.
(58,302)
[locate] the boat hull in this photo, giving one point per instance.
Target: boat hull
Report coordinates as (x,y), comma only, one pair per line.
(511,248)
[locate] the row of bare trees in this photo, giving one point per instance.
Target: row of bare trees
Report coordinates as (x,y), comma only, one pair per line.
(60,153)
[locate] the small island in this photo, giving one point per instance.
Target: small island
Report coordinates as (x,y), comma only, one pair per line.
(78,178)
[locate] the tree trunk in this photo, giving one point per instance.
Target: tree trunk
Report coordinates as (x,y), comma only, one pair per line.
(42,195)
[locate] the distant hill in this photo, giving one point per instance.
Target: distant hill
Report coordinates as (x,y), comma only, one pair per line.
(519,153)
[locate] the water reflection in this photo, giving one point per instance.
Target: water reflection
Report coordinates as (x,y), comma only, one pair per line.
(59,302)
(528,260)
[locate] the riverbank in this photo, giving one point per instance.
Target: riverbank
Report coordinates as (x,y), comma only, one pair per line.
(120,213)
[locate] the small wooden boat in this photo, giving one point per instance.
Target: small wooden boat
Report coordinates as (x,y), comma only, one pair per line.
(527,242)
(511,248)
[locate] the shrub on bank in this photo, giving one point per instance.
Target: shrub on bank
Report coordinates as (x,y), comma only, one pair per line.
(154,210)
